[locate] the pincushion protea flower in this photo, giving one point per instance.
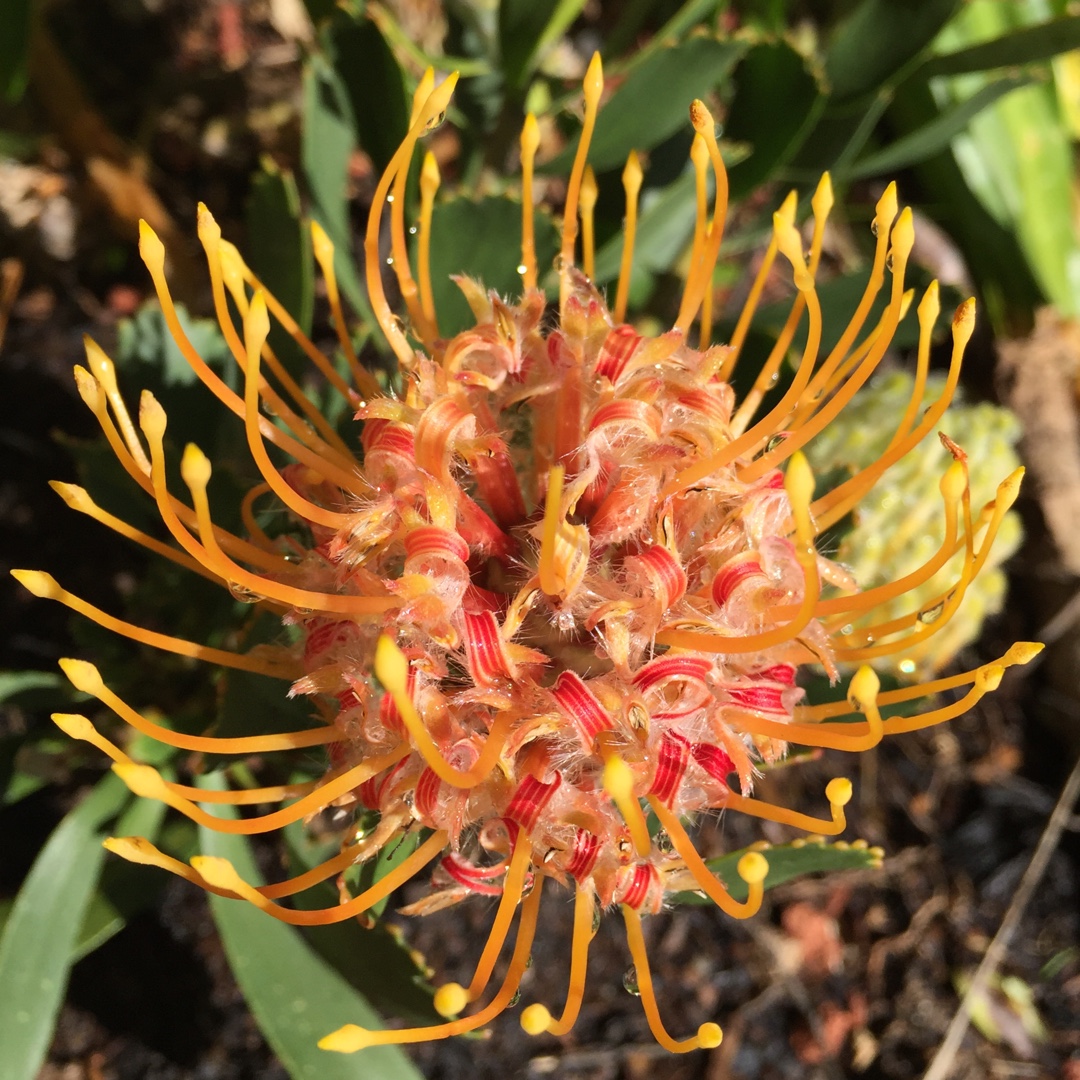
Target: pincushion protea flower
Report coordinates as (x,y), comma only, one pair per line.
(568,583)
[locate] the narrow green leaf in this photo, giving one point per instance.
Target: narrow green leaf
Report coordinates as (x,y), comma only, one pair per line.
(774,80)
(295,996)
(936,135)
(786,861)
(326,146)
(653,103)
(527,29)
(41,930)
(879,39)
(1022,46)
(15,683)
(483,240)
(374,83)
(279,248)
(14,47)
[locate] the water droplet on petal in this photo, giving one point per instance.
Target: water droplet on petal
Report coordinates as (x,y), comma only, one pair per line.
(630,983)
(932,613)
(514,1000)
(522,269)
(412,230)
(558,263)
(243,594)
(389,260)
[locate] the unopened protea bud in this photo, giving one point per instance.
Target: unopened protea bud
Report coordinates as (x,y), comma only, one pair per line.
(560,583)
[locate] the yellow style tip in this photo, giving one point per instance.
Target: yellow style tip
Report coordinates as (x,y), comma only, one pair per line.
(142,780)
(74,725)
(530,135)
(930,305)
(903,234)
(346,1040)
(823,199)
(76,497)
(391,666)
(207,227)
(594,81)
(863,688)
(838,791)
(618,779)
(632,174)
(589,191)
(709,1036)
(82,675)
(788,207)
(1009,488)
(954,482)
(151,249)
(322,245)
(195,468)
(535,1019)
(886,207)
(256,324)
(89,388)
(799,480)
(1023,652)
(430,177)
(989,677)
(963,324)
(450,999)
(136,849)
(702,119)
(152,418)
(101,367)
(217,871)
(38,582)
(753,868)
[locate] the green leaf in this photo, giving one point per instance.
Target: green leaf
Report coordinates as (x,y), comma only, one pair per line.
(41,930)
(878,40)
(653,103)
(773,81)
(786,861)
(1022,46)
(374,84)
(527,29)
(483,240)
(279,250)
(326,146)
(295,996)
(935,136)
(13,684)
(14,47)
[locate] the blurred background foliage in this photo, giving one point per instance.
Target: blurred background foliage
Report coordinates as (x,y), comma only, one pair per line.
(974,107)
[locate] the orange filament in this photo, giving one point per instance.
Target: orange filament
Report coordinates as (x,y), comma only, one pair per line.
(799,484)
(79,727)
(586,205)
(928,311)
(46,586)
(885,212)
(903,236)
(701,272)
(530,142)
(85,677)
(513,886)
(247,516)
(699,158)
(147,782)
(222,874)
(90,393)
(842,498)
(552,518)
(398,242)
(619,784)
(429,185)
(631,177)
(78,498)
(708,1035)
(351,1037)
(822,203)
(153,421)
(788,242)
(101,367)
(153,255)
(837,791)
(584,908)
(256,327)
(392,670)
(746,316)
(1022,652)
(432,109)
(323,247)
(594,87)
(753,868)
(934,616)
(223,262)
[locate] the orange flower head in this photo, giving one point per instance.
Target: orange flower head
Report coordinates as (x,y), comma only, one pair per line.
(569,584)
